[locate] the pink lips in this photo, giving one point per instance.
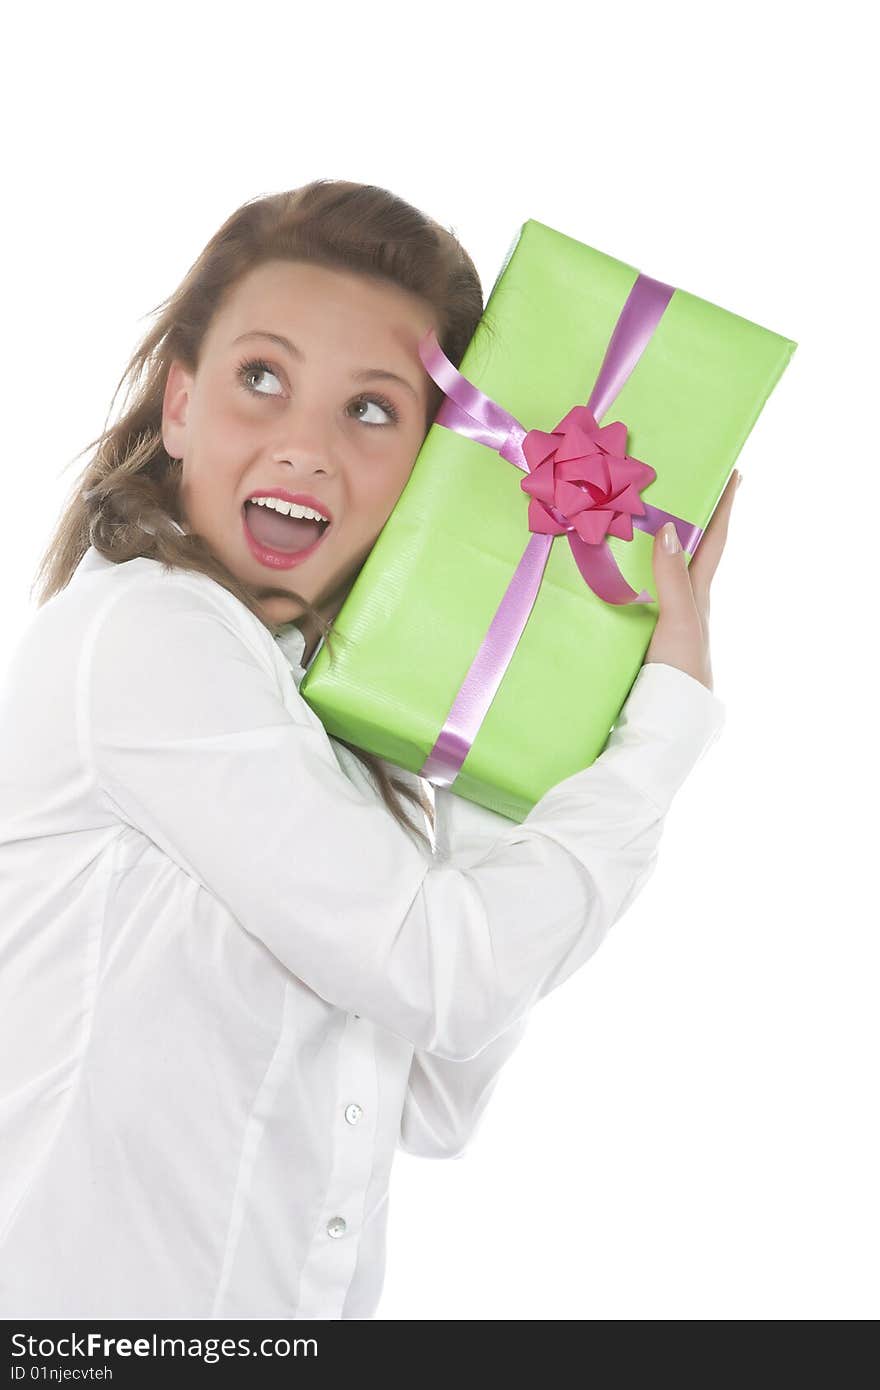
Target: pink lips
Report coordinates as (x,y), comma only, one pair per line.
(278,559)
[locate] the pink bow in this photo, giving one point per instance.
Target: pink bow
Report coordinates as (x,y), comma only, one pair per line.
(582,479)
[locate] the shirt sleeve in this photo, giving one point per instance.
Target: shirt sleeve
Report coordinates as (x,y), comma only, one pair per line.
(445,1101)
(191,740)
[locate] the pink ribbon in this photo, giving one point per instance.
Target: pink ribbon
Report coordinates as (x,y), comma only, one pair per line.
(581,483)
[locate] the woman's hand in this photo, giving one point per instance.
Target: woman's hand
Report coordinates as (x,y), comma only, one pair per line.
(681,637)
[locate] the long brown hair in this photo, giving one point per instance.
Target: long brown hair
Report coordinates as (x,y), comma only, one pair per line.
(126,501)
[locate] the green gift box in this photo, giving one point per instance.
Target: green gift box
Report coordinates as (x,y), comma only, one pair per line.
(407,637)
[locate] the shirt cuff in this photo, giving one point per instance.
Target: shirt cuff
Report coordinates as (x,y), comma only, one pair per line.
(667,724)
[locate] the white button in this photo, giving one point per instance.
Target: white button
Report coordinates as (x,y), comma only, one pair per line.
(336,1226)
(353,1113)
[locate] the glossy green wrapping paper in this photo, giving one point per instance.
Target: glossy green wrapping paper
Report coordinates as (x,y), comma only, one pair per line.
(423,602)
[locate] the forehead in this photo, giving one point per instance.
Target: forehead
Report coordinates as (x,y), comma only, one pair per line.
(334,308)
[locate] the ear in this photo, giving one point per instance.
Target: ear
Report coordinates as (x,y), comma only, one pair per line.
(174,409)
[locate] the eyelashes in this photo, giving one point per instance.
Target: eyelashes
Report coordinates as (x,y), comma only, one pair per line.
(253,365)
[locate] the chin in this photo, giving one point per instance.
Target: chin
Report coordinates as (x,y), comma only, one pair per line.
(285,610)
(280,610)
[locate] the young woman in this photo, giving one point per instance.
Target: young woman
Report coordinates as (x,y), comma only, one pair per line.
(236,975)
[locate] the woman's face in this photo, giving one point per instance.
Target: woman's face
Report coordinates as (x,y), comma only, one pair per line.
(317,418)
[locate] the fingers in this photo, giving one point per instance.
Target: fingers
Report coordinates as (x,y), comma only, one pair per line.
(675,596)
(705,562)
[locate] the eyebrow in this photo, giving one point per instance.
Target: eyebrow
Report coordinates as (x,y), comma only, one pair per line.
(368,374)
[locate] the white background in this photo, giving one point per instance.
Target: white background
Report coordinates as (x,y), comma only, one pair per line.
(689,1130)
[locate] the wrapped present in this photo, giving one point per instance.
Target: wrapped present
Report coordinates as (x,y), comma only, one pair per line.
(500,620)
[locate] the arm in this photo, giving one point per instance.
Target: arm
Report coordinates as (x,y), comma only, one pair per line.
(445,1100)
(664,727)
(190,739)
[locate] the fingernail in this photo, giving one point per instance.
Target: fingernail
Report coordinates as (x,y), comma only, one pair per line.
(669,538)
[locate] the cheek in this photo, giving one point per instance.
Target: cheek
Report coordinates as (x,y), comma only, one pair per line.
(220,444)
(222,415)
(373,501)
(227,429)
(387,484)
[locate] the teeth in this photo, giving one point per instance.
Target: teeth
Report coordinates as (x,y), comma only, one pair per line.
(288,508)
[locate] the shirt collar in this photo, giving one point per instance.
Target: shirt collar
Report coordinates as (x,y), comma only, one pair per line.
(292,642)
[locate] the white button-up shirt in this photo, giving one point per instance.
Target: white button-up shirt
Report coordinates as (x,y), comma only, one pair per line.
(231,983)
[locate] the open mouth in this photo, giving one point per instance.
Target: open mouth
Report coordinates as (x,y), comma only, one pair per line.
(278,540)
(280,532)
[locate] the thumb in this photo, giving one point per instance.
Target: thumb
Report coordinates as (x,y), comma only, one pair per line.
(675,595)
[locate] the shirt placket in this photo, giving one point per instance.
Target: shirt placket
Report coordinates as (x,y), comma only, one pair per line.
(332,1256)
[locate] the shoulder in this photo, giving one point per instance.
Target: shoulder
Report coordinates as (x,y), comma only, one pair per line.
(154,599)
(171,656)
(169,630)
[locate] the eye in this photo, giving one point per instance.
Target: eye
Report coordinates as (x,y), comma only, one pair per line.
(383,404)
(257,367)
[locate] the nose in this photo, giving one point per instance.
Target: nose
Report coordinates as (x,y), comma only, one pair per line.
(304,463)
(306,447)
